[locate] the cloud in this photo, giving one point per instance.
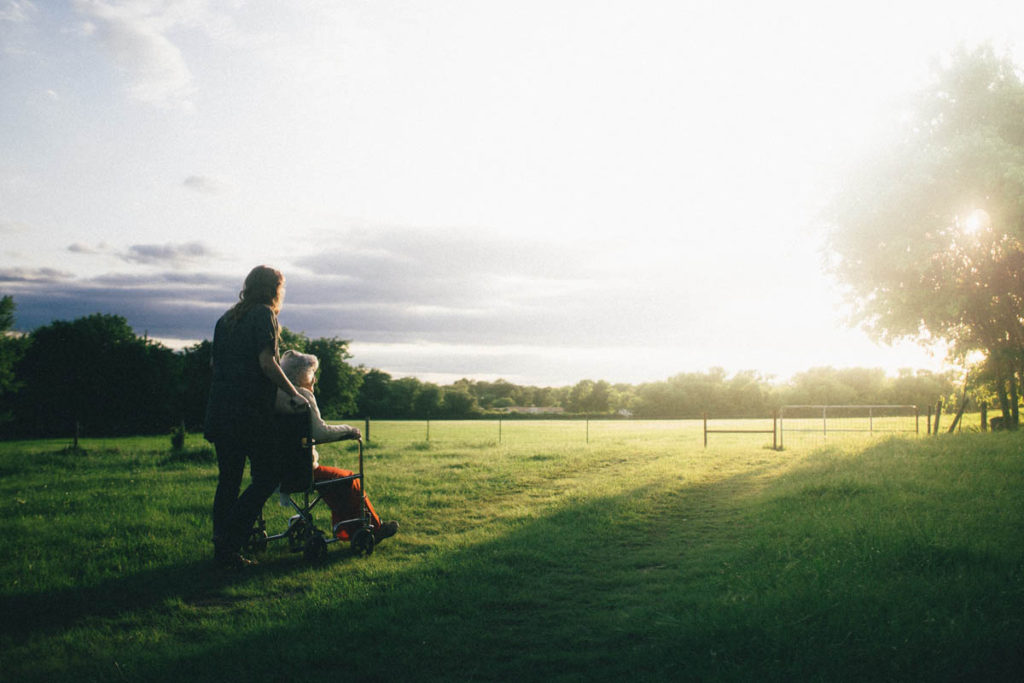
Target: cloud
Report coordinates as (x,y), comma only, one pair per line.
(35,275)
(17,11)
(170,254)
(170,304)
(13,226)
(467,287)
(512,313)
(79,248)
(397,287)
(447,267)
(134,33)
(16,26)
(204,184)
(173,255)
(473,295)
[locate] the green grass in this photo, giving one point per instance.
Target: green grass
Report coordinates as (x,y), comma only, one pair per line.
(638,556)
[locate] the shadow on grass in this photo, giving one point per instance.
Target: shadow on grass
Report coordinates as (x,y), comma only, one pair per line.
(656,583)
(450,614)
(204,583)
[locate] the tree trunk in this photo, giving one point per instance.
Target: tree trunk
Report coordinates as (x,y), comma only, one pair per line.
(959,413)
(1004,402)
(1014,401)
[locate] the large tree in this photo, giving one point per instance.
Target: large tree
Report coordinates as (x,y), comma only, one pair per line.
(374,395)
(338,383)
(12,346)
(927,232)
(195,383)
(94,373)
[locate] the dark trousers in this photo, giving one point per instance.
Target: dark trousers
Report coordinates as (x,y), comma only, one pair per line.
(233,515)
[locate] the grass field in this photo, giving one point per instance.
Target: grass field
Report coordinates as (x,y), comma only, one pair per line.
(640,555)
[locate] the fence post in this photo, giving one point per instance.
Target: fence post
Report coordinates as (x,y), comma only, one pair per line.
(499,429)
(938,414)
(917,420)
(775,429)
(984,416)
(705,430)
(428,430)
(588,429)
(929,420)
(366,429)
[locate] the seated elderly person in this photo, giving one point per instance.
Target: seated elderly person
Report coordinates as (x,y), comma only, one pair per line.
(343,500)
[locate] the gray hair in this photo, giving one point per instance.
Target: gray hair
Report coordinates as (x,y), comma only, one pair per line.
(299,367)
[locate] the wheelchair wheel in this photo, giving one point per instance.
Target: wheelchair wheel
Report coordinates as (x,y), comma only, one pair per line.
(297,536)
(363,542)
(315,549)
(257,541)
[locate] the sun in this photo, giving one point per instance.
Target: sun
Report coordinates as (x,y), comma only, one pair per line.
(976,221)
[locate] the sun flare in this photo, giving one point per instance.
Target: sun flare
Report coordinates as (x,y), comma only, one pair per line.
(976,221)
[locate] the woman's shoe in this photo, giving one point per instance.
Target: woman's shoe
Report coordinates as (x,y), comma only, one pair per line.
(386,530)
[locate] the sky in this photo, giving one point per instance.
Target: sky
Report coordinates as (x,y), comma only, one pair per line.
(540,191)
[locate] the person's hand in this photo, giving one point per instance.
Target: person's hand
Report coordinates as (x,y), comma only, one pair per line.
(298,404)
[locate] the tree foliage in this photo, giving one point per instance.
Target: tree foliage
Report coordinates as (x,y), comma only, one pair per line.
(97,373)
(692,394)
(11,349)
(375,397)
(338,382)
(458,401)
(195,383)
(686,395)
(927,234)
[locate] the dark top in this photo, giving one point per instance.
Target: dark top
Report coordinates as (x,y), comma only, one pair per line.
(241,403)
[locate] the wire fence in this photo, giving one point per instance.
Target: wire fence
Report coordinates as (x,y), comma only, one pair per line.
(520,431)
(791,427)
(819,424)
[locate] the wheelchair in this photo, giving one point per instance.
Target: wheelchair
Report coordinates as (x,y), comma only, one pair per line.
(295,445)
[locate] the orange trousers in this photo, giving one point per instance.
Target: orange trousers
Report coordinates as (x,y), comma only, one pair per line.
(344,500)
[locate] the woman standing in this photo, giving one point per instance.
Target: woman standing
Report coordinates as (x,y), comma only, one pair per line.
(239,414)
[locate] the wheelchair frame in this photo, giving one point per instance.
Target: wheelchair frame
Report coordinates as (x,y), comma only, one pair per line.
(302,533)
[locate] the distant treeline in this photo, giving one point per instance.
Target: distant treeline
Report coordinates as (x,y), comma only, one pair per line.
(96,373)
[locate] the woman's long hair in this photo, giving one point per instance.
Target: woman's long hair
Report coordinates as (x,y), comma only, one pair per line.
(264,286)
